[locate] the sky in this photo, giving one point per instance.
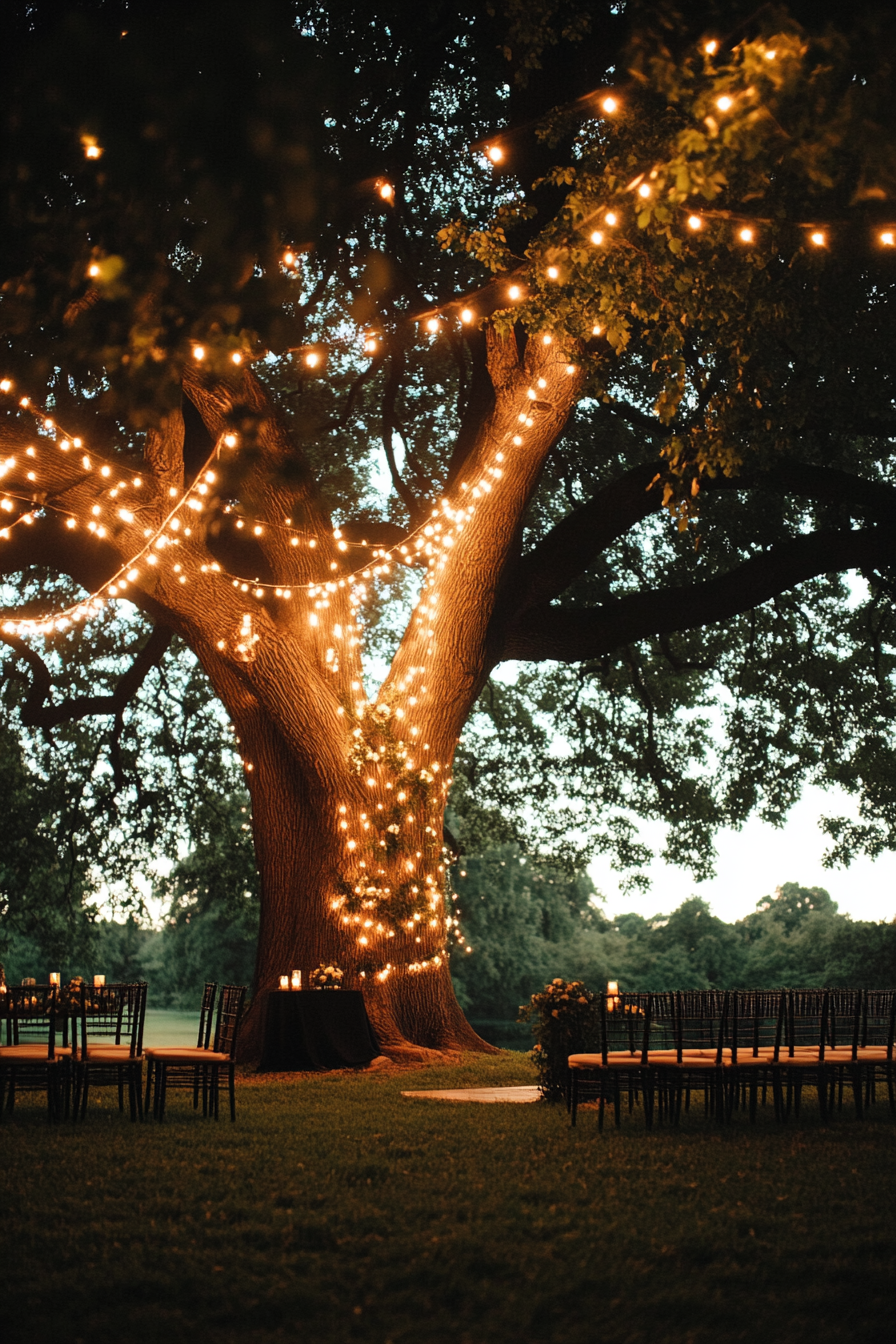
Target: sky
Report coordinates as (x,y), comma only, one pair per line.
(754,861)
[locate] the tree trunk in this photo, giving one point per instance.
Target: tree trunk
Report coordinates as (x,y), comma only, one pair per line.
(303,856)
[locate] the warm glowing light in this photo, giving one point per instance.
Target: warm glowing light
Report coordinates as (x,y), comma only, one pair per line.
(467,315)
(888,238)
(596,330)
(386,190)
(711,47)
(312,359)
(610,105)
(199,352)
(770,55)
(817,238)
(495,153)
(370,345)
(611,218)
(236,357)
(91,149)
(644,190)
(724,103)
(433,325)
(289,258)
(597,237)
(552,273)
(695,222)
(514,292)
(93,270)
(746,235)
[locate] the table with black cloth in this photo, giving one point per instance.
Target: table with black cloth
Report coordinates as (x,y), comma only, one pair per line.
(317,1029)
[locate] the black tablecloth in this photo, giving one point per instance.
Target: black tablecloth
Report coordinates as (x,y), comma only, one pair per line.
(317,1029)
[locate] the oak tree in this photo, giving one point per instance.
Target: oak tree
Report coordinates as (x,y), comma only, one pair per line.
(595,287)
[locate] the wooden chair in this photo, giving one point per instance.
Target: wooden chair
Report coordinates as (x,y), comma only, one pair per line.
(31,1060)
(111,1019)
(622,1062)
(192,1066)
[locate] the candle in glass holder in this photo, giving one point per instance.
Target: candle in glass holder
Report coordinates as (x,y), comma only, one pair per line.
(296,982)
(284,982)
(99,980)
(54,977)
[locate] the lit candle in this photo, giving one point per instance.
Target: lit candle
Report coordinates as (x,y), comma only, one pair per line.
(99,980)
(613,988)
(296,980)
(284,982)
(54,977)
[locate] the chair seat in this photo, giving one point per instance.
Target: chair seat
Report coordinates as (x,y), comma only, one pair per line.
(616,1059)
(187,1054)
(34,1052)
(107,1048)
(97,1055)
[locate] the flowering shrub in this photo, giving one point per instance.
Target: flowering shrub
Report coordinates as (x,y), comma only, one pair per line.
(326,977)
(564,1022)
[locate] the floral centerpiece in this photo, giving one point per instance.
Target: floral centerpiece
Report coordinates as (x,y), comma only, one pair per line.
(326,977)
(564,1022)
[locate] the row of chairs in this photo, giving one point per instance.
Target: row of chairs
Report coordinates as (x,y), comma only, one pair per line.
(66,1042)
(736,1048)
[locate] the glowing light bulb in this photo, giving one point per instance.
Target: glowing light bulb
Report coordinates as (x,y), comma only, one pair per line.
(514,292)
(495,153)
(236,357)
(724,103)
(711,47)
(386,190)
(312,359)
(817,238)
(199,352)
(610,105)
(597,237)
(888,238)
(611,218)
(644,191)
(467,315)
(93,270)
(289,258)
(552,273)
(433,324)
(370,345)
(770,55)
(746,235)
(596,330)
(695,222)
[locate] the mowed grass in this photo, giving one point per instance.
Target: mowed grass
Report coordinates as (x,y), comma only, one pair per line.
(337,1210)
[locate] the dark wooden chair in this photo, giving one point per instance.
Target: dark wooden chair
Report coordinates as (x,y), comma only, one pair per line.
(31,1060)
(200,1065)
(110,1053)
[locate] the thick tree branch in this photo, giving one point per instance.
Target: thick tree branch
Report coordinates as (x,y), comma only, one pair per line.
(551,566)
(568,635)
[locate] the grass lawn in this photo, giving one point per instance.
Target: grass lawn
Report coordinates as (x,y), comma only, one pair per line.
(336,1210)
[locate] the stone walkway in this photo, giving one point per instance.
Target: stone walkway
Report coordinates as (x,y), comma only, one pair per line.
(480,1094)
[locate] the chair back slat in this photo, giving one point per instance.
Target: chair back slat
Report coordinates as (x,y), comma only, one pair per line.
(206,1014)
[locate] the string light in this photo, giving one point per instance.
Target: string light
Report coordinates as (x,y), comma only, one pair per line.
(495,153)
(695,223)
(610,105)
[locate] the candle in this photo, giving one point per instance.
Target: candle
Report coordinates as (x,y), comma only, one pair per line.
(284,982)
(54,977)
(99,980)
(297,980)
(613,988)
